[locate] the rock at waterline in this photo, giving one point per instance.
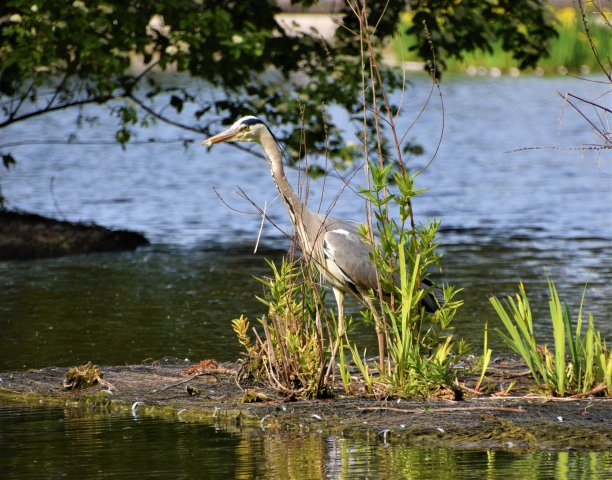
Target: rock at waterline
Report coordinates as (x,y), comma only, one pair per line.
(27,235)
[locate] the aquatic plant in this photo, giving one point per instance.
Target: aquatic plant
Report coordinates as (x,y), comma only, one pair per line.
(420,349)
(587,369)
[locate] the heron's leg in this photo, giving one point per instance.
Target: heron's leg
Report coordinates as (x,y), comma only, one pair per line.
(340,301)
(380,332)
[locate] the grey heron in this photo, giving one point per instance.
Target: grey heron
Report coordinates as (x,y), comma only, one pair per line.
(336,247)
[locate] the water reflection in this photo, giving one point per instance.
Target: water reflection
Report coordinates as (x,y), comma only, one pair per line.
(40,442)
(43,443)
(118,308)
(317,456)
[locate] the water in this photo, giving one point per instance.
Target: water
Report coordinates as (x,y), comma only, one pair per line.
(506,217)
(125,308)
(69,443)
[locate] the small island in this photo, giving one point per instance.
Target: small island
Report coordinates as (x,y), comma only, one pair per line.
(27,235)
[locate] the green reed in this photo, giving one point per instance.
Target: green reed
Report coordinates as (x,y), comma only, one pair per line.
(580,363)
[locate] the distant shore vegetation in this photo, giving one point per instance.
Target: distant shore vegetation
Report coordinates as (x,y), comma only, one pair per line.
(571,51)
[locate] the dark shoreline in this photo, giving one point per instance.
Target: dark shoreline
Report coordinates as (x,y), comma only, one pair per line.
(27,235)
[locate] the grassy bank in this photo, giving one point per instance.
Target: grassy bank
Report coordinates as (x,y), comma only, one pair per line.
(570,51)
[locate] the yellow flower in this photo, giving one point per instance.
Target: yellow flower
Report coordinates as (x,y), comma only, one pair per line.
(566,16)
(406,17)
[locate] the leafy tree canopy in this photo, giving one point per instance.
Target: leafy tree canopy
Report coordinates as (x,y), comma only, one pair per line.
(58,54)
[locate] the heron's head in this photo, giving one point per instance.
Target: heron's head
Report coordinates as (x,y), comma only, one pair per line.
(247,129)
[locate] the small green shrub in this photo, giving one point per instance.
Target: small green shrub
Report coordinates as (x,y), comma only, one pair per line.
(420,350)
(290,355)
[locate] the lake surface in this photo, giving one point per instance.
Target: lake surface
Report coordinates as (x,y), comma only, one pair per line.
(506,217)
(68,443)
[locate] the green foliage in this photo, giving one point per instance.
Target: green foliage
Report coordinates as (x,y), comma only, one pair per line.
(411,319)
(59,55)
(568,49)
(419,347)
(589,364)
(447,29)
(571,49)
(290,356)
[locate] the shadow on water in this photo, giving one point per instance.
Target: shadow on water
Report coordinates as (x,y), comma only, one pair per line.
(126,307)
(67,443)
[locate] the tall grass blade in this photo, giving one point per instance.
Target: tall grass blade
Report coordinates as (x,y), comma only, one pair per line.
(486,356)
(591,362)
(559,325)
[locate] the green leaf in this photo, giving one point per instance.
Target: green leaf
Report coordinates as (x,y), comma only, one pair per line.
(8,160)
(177,103)
(123,136)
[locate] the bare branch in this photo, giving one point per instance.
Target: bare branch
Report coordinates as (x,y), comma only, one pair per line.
(63,106)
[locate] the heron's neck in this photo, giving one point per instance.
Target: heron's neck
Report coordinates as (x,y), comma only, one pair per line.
(292,201)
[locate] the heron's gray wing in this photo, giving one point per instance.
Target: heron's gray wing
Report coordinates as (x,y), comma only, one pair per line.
(351,256)
(350,266)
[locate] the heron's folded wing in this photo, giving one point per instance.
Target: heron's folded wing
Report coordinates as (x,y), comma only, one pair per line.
(351,255)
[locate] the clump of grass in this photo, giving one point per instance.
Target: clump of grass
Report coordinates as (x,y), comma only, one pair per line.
(84,376)
(290,355)
(587,368)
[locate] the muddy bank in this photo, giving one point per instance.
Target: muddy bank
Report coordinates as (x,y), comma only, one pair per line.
(214,397)
(27,235)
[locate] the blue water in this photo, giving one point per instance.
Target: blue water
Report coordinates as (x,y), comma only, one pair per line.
(476,186)
(505,217)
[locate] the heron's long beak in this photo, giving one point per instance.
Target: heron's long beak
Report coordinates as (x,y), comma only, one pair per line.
(220,137)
